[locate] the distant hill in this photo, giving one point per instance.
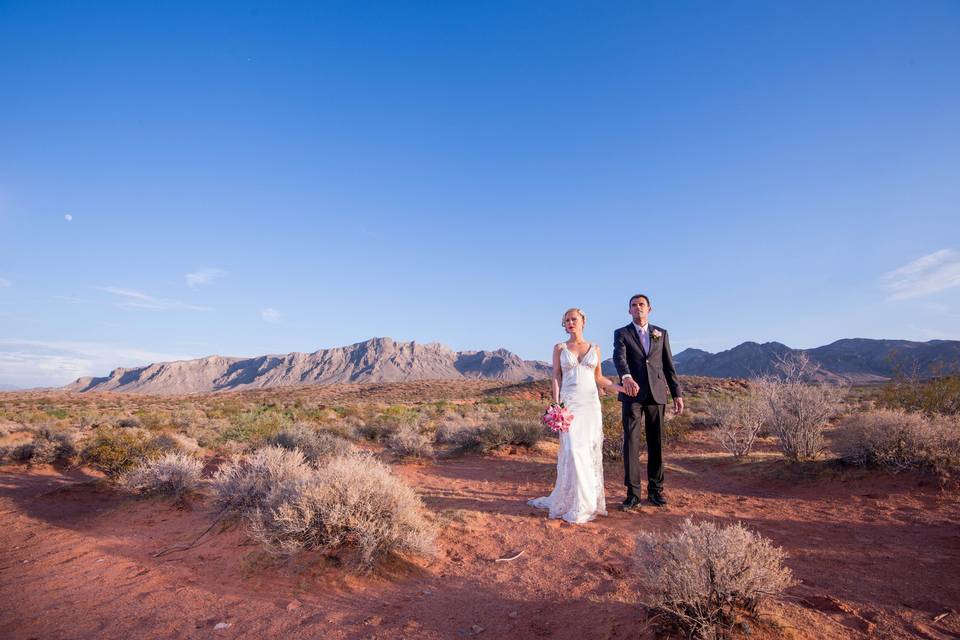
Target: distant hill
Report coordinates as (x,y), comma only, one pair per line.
(9,387)
(376,360)
(857,360)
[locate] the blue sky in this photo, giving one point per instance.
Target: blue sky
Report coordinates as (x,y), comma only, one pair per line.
(181,179)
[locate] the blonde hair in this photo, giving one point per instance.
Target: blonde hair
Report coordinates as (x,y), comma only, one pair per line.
(577,310)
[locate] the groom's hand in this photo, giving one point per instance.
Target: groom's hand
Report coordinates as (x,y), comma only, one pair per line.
(630,387)
(678,405)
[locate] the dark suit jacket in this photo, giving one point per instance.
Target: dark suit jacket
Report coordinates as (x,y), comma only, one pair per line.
(653,371)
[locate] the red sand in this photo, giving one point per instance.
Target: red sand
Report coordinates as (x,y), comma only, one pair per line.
(878,556)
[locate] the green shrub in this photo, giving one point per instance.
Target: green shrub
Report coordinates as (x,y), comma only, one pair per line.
(115,450)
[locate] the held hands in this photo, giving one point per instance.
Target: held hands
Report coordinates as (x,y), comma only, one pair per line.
(630,387)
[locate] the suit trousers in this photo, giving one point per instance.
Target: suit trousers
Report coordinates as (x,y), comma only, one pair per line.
(651,417)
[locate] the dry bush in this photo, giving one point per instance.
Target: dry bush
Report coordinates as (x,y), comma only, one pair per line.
(173,474)
(502,432)
(241,485)
(611,412)
(114,450)
(376,431)
(129,423)
(408,442)
(899,441)
(737,421)
(937,394)
(704,576)
(173,442)
(316,446)
(352,503)
(47,447)
(798,410)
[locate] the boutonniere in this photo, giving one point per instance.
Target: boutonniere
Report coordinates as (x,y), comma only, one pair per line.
(656,333)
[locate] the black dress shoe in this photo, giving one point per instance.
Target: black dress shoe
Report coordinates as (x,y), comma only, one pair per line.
(657,498)
(632,503)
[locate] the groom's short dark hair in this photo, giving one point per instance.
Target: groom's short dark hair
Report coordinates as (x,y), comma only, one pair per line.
(640,295)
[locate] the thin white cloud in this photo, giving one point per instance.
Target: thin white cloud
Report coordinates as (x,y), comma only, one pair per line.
(5,283)
(924,276)
(133,299)
(33,363)
(270,315)
(70,299)
(68,217)
(204,276)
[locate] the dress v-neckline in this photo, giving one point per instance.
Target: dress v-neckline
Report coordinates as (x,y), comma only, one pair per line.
(579,360)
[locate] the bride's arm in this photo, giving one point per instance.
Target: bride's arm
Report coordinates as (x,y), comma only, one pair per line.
(603,383)
(557,373)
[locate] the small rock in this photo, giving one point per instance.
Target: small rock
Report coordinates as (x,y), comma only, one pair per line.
(294,604)
(477,629)
(221,625)
(745,628)
(427,592)
(512,614)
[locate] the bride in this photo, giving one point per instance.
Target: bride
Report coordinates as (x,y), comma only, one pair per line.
(578,496)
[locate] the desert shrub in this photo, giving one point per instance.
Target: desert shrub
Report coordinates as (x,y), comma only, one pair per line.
(173,442)
(173,474)
(899,441)
(704,576)
(376,431)
(937,394)
(316,446)
(129,423)
(241,486)
(612,415)
(47,447)
(256,425)
(502,432)
(797,409)
(352,503)
(408,442)
(738,420)
(115,450)
(674,428)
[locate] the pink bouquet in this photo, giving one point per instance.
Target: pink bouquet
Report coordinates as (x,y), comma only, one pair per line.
(557,417)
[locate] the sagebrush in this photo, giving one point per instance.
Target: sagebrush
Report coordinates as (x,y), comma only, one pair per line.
(900,440)
(315,445)
(705,576)
(172,474)
(350,504)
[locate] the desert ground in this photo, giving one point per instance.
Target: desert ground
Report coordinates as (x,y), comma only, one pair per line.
(875,554)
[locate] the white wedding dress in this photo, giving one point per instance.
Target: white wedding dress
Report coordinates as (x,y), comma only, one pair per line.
(578,496)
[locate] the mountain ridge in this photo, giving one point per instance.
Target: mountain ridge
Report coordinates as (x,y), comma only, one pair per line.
(373,360)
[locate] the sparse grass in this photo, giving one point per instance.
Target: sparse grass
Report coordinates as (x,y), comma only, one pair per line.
(706,576)
(899,440)
(173,474)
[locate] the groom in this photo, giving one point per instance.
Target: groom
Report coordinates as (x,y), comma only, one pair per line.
(641,353)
